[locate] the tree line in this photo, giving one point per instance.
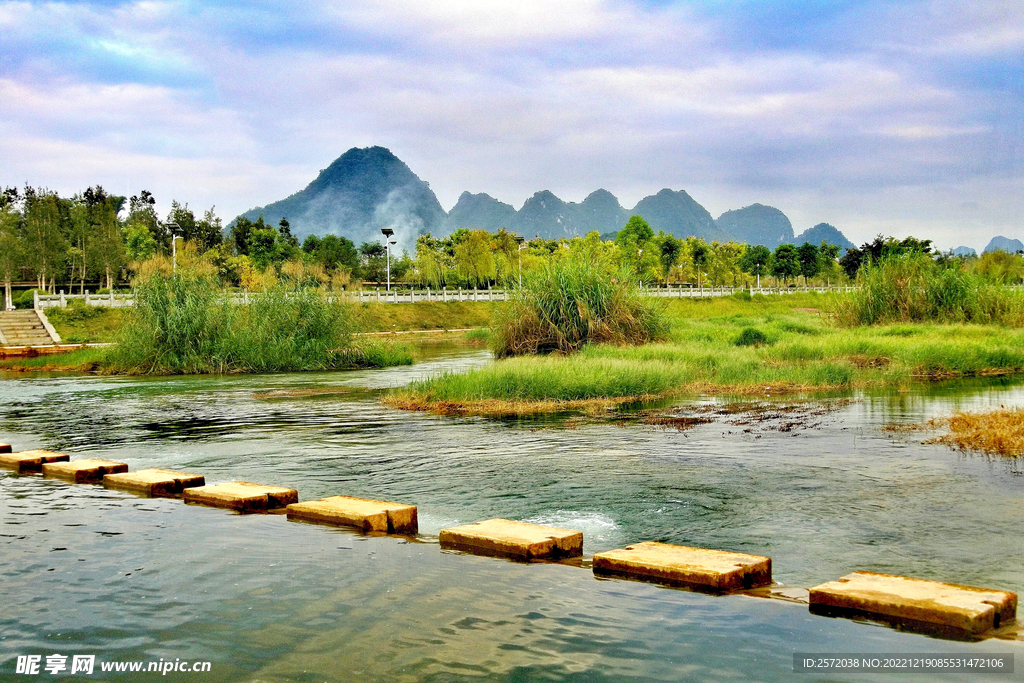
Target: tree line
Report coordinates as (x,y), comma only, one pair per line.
(98,237)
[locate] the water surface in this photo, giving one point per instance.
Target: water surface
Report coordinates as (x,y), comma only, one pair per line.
(86,570)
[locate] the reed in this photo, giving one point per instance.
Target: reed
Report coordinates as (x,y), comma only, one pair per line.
(999,432)
(183,324)
(912,288)
(567,303)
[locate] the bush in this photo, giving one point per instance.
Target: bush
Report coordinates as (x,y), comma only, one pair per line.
(751,336)
(912,288)
(183,324)
(565,304)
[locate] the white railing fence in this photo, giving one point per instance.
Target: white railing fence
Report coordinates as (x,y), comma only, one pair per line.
(409,296)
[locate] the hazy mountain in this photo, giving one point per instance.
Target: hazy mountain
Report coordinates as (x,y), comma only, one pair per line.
(361,192)
(823,232)
(601,211)
(678,214)
(757,224)
(479,211)
(1000,243)
(546,215)
(964,251)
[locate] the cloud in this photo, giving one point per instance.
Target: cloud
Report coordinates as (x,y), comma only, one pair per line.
(829,104)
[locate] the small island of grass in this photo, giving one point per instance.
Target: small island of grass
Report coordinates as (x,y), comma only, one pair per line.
(908,322)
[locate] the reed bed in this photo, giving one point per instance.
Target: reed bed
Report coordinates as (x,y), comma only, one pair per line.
(568,303)
(999,432)
(182,324)
(912,288)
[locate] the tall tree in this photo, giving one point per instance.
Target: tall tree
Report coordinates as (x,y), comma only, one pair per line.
(46,247)
(785,263)
(755,261)
(11,246)
(810,260)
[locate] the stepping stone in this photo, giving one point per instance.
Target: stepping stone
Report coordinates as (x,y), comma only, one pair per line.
(29,461)
(506,538)
(85,471)
(362,513)
(243,496)
(701,568)
(5,447)
(153,482)
(915,602)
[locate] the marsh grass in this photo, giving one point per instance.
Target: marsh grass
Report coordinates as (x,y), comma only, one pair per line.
(1000,432)
(182,324)
(912,288)
(568,303)
(81,360)
(807,354)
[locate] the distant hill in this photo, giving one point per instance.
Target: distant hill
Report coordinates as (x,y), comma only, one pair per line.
(676,213)
(365,190)
(823,232)
(361,192)
(964,251)
(1000,243)
(757,224)
(547,216)
(479,211)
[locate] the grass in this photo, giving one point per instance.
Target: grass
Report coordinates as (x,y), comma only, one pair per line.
(182,324)
(801,351)
(565,304)
(81,360)
(80,324)
(913,288)
(1000,432)
(452,315)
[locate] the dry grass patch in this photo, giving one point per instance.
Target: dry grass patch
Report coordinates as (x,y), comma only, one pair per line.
(511,408)
(1000,431)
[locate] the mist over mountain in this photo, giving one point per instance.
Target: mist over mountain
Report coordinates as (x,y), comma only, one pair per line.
(367,189)
(361,192)
(823,232)
(757,224)
(1000,243)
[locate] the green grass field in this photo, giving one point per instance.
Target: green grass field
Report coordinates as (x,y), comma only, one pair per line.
(728,345)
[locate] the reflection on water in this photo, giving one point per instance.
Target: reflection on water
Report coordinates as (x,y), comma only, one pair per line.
(85,570)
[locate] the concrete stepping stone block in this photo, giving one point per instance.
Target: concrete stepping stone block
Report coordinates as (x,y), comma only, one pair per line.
(153,482)
(84,471)
(30,461)
(711,570)
(931,605)
(5,447)
(243,496)
(362,513)
(507,538)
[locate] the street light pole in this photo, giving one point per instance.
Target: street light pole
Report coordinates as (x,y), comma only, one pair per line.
(173,227)
(388,232)
(519,241)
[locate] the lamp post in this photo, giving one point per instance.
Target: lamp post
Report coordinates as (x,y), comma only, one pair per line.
(174,227)
(388,232)
(519,241)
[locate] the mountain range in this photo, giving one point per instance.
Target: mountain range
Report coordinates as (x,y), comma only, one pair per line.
(365,190)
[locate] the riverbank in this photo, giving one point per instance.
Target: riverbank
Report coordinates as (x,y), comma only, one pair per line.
(762,347)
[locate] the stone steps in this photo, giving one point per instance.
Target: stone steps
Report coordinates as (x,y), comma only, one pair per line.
(24,328)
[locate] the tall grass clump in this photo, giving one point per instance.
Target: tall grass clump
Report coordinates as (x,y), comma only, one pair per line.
(182,323)
(568,303)
(912,288)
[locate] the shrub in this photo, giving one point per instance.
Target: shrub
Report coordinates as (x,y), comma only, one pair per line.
(183,324)
(570,302)
(912,288)
(751,336)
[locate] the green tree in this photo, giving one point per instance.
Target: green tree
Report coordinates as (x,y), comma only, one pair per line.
(474,260)
(46,216)
(264,248)
(670,251)
(373,265)
(699,255)
(107,242)
(785,263)
(810,260)
(139,243)
(142,210)
(11,245)
(755,261)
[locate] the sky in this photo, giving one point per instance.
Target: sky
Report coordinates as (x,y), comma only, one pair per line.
(900,118)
